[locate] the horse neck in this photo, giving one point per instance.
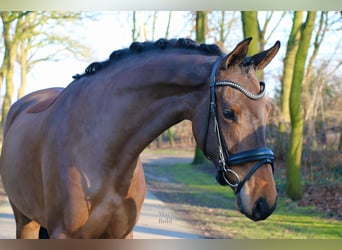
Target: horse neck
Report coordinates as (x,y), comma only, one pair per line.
(150,95)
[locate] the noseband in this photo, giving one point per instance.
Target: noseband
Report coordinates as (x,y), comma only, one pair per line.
(226,160)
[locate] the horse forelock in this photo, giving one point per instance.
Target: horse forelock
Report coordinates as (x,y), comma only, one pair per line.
(161,44)
(247,61)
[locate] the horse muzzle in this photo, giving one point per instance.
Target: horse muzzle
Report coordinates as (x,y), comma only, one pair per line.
(260,210)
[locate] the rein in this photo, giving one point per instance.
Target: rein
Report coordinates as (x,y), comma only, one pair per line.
(226,160)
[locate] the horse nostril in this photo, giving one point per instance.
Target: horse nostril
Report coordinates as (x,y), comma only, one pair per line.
(261,210)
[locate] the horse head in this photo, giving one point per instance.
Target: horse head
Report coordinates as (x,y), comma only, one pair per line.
(234,136)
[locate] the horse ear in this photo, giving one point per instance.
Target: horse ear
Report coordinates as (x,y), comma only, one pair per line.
(237,55)
(262,59)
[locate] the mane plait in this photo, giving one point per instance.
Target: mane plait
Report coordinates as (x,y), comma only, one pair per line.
(162,44)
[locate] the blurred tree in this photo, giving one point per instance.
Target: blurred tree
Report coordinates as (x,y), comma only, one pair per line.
(201,31)
(168,25)
(11,42)
(312,90)
(24,33)
(201,26)
(286,81)
(225,25)
(250,28)
(134,26)
(36,35)
(293,162)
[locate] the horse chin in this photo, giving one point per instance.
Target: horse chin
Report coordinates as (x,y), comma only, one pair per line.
(260,210)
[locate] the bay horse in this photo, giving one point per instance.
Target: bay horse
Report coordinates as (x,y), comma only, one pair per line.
(70,157)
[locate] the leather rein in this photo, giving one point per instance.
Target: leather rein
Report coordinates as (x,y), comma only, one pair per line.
(260,155)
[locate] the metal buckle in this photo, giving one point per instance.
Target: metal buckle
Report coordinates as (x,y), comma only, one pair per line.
(227,171)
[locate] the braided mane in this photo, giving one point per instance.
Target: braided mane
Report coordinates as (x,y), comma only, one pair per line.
(161,44)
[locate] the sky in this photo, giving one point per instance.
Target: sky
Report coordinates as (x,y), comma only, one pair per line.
(111,32)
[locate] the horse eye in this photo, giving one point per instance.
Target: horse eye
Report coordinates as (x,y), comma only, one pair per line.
(229,114)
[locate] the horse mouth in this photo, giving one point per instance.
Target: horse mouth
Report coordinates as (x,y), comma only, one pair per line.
(261,210)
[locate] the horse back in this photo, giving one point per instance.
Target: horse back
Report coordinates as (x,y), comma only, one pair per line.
(34,102)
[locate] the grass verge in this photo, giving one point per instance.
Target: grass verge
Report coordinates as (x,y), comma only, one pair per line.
(192,190)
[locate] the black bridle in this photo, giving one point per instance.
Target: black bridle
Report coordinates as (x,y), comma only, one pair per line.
(226,160)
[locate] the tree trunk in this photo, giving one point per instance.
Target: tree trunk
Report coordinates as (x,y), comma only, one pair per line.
(201,28)
(11,44)
(171,137)
(293,188)
(222,28)
(134,24)
(168,25)
(160,141)
(3,71)
(23,67)
(9,85)
(250,27)
(26,28)
(291,50)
